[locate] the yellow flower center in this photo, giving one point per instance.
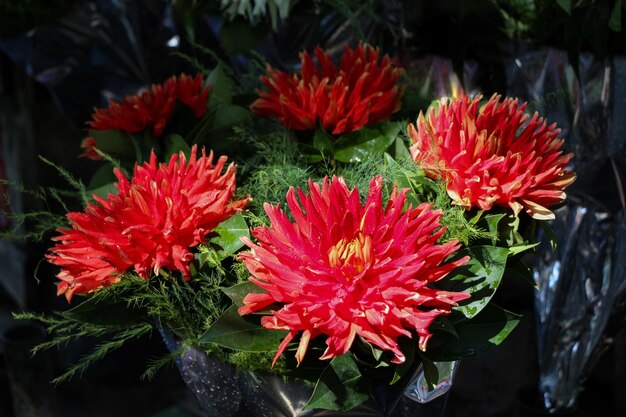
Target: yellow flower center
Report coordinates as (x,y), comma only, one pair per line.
(354,254)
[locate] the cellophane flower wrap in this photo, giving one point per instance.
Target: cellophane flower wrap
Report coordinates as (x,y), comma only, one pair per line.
(349,259)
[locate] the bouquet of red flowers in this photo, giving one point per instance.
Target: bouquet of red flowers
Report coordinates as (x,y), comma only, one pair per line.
(352,259)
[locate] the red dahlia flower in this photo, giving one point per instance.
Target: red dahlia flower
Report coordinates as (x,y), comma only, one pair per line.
(344,269)
(493,155)
(360,92)
(149,111)
(151,223)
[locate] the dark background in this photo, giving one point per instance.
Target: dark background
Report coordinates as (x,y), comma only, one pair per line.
(43,113)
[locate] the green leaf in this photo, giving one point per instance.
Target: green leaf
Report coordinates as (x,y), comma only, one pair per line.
(221,86)
(492,221)
(523,271)
(239,291)
(480,276)
(615,21)
(338,387)
(400,150)
(408,347)
(175,144)
(103,182)
(487,329)
(511,232)
(565,5)
(442,324)
(229,234)
(105,311)
(228,116)
(431,372)
(200,129)
(550,234)
(323,142)
(504,228)
(515,250)
(362,346)
(234,332)
(366,142)
(116,143)
(238,36)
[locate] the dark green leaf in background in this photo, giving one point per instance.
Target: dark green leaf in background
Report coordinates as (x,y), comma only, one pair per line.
(488,329)
(615,21)
(235,332)
(323,142)
(116,143)
(103,182)
(565,5)
(338,387)
(229,234)
(431,372)
(228,116)
(239,36)
(175,144)
(221,87)
(105,311)
(481,276)
(366,142)
(239,291)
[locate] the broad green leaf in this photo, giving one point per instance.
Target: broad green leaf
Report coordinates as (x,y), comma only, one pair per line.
(515,250)
(323,142)
(197,134)
(235,332)
(480,276)
(442,324)
(116,143)
(487,329)
(103,182)
(401,151)
(549,234)
(175,144)
(492,221)
(392,129)
(239,291)
(366,142)
(228,116)
(366,347)
(408,347)
(521,269)
(312,159)
(565,5)
(221,86)
(105,311)
(431,372)
(229,234)
(338,387)
(615,21)
(238,36)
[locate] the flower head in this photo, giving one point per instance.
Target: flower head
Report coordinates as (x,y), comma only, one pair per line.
(150,224)
(358,93)
(343,268)
(493,155)
(149,111)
